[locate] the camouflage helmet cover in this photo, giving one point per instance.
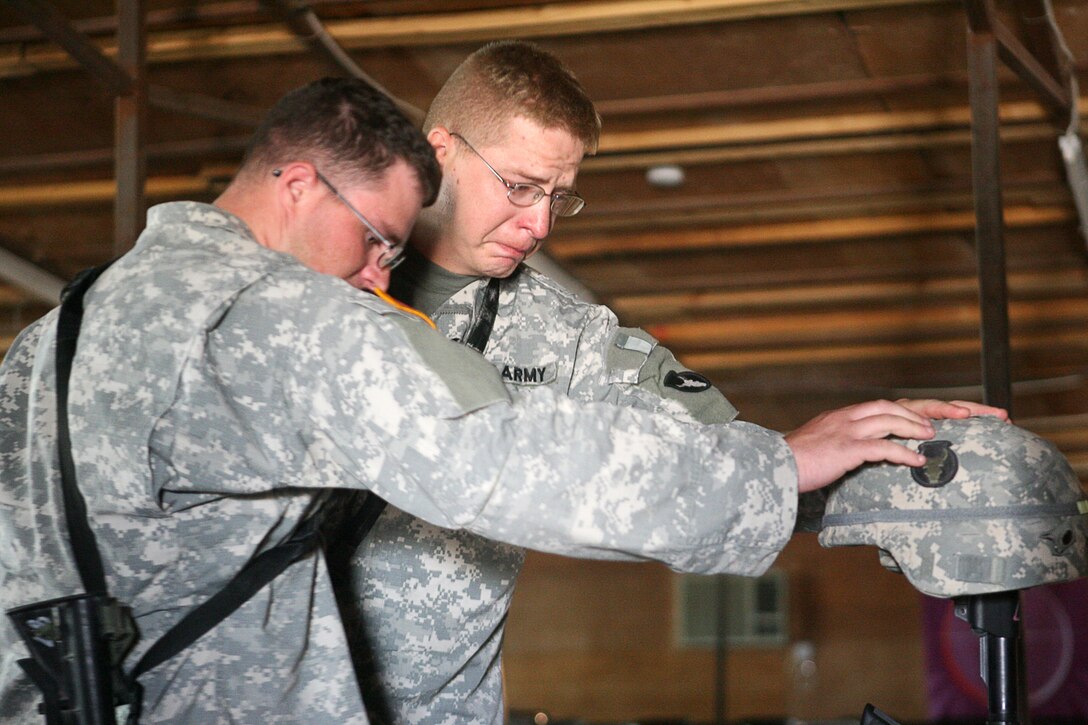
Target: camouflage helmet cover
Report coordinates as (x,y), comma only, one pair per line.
(996,508)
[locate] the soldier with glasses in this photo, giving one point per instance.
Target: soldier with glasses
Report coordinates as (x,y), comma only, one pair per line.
(510,128)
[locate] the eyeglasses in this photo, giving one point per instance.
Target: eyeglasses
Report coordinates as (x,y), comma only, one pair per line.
(393,254)
(563,203)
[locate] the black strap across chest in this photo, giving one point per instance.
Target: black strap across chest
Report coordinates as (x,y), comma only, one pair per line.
(257,572)
(487,309)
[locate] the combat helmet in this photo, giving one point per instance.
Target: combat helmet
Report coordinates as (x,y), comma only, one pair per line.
(995,508)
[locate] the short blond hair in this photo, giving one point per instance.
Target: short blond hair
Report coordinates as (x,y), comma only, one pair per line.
(510,78)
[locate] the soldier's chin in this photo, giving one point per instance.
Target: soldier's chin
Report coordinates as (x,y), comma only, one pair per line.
(503,266)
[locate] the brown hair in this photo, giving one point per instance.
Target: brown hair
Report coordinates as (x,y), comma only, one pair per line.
(346,128)
(511,78)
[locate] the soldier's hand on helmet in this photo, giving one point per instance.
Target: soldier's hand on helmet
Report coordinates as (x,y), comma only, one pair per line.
(939,409)
(840,440)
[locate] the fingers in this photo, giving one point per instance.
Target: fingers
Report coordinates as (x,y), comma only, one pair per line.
(892,424)
(981,409)
(938,409)
(888,451)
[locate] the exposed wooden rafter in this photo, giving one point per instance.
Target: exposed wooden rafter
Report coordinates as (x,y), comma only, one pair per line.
(439,28)
(811,231)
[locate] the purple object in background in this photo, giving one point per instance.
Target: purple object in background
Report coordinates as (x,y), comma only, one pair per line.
(1055,629)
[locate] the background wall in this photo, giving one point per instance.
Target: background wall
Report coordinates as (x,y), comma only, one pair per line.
(595,640)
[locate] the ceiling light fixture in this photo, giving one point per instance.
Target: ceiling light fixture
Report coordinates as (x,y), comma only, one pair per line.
(665,176)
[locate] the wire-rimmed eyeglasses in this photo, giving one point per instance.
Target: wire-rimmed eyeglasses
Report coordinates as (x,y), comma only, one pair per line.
(393,254)
(563,203)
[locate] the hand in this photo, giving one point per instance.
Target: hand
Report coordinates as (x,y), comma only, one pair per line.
(840,440)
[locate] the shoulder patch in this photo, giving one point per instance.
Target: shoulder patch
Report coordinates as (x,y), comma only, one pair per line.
(686,381)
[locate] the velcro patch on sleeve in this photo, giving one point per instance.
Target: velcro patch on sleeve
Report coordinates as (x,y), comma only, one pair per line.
(629,342)
(627,354)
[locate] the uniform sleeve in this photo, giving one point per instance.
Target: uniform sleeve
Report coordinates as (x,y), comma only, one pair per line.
(366,401)
(545,472)
(644,374)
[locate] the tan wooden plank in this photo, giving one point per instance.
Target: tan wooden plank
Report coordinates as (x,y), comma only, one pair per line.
(727,209)
(97,191)
(669,304)
(920,322)
(720,361)
(554,19)
(796,232)
(785,147)
(850,124)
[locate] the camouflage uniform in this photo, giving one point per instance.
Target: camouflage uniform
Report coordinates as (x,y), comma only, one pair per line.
(433,601)
(219,386)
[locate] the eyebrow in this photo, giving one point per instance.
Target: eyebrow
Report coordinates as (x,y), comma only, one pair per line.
(529,178)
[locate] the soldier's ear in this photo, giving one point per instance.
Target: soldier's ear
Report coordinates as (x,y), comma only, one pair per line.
(295,181)
(441,141)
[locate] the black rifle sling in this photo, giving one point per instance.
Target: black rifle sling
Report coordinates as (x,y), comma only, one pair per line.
(84,545)
(257,572)
(248,581)
(480,332)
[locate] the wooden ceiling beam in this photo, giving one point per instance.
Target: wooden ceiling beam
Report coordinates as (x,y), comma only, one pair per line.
(304,23)
(570,245)
(777,139)
(230,11)
(556,19)
(75,46)
(919,322)
(817,127)
(10,295)
(670,305)
(794,232)
(724,209)
(1028,67)
(781,94)
(828,354)
(1069,437)
(789,148)
(612,277)
(201,147)
(1079,463)
(204,106)
(947,378)
(100,191)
